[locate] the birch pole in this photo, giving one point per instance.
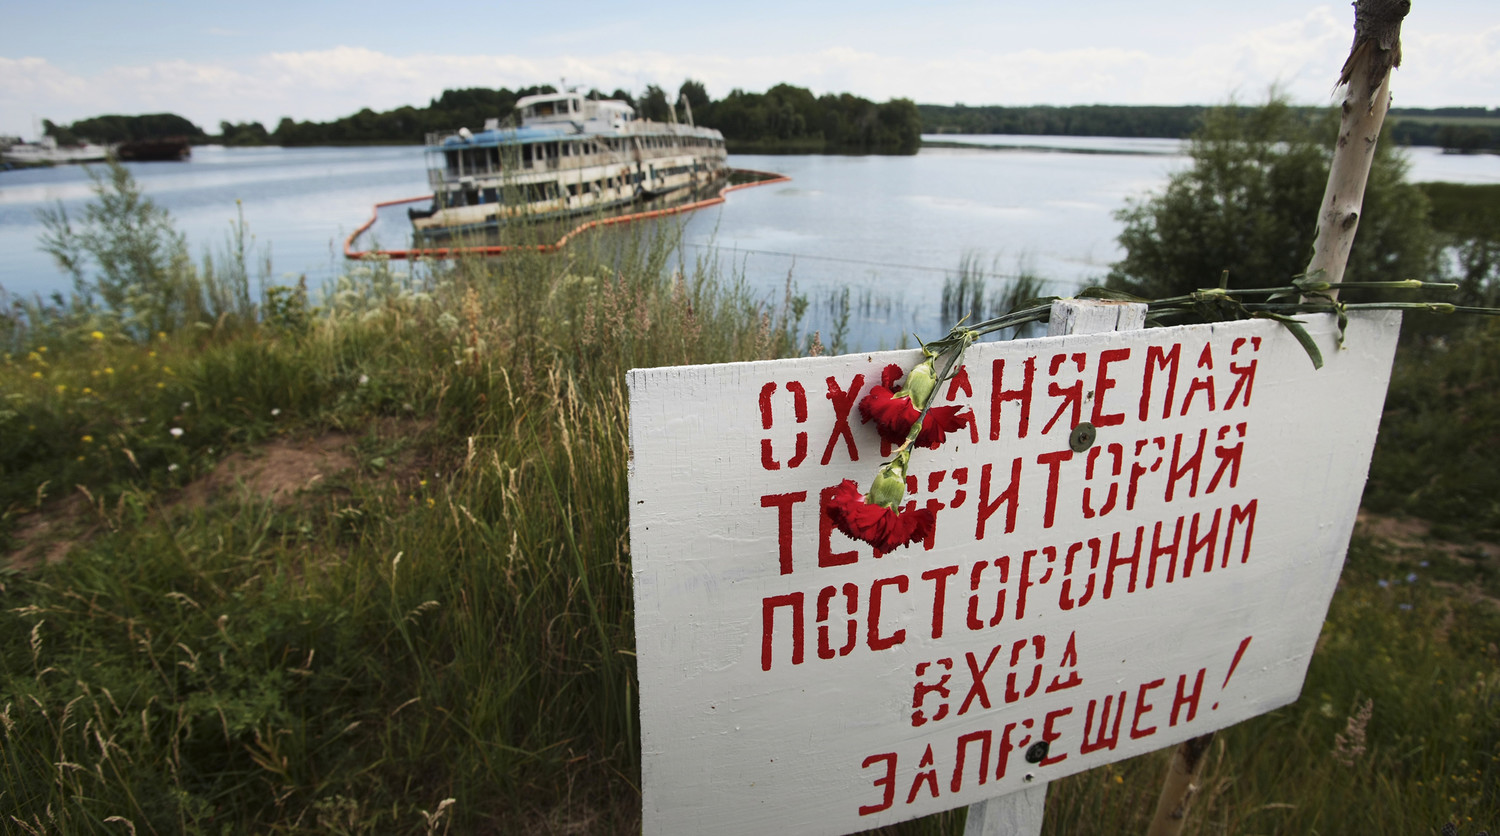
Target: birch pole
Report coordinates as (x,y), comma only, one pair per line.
(1366,81)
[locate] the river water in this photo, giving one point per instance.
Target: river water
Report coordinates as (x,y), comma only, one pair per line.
(891,229)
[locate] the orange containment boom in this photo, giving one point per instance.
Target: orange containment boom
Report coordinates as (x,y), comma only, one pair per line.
(766,178)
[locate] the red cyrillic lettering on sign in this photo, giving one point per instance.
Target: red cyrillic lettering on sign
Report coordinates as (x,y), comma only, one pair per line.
(1229,458)
(1069,660)
(1192,466)
(783,503)
(928,777)
(1012,694)
(921,689)
(984,736)
(1244,374)
(851,595)
(1026,582)
(888,781)
(767,458)
(1117,453)
(974,621)
(976,679)
(843,402)
(1116,561)
(799,408)
(768,619)
(1142,708)
(1072,396)
(960,381)
(877,641)
(1169,551)
(1205,544)
(826,555)
(1102,740)
(1157,358)
(939,578)
(1049,737)
(1065,600)
(1103,383)
(1053,461)
(1137,470)
(1006,746)
(1204,383)
(1186,699)
(1237,516)
(1011,496)
(999,395)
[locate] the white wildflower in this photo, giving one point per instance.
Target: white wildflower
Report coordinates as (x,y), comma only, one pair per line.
(176,432)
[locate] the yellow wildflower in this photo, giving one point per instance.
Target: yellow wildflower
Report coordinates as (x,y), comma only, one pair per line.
(109,369)
(37,375)
(61,388)
(42,349)
(88,439)
(160,385)
(87,391)
(98,335)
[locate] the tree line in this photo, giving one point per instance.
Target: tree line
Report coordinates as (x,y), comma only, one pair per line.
(1454,128)
(784,119)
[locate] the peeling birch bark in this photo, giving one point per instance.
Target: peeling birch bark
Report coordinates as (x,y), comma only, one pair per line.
(1366,79)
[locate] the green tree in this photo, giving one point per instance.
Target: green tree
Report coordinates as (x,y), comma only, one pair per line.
(653,104)
(63,135)
(1248,204)
(696,95)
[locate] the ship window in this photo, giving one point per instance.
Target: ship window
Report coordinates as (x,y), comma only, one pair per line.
(526,153)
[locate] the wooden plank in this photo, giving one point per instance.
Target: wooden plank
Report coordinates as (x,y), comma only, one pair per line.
(1167,581)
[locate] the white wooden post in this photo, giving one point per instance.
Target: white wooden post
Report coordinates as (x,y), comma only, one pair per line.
(1020,814)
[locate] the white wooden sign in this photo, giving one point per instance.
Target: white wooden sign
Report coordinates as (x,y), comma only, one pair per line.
(1168,580)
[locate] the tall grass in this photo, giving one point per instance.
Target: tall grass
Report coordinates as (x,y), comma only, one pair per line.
(450,621)
(968,296)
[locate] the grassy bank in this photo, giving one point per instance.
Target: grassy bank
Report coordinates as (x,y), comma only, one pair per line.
(364,568)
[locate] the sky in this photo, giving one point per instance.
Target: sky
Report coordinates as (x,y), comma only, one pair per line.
(260,61)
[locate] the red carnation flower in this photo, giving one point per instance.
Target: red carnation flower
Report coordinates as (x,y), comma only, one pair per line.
(894,414)
(877,525)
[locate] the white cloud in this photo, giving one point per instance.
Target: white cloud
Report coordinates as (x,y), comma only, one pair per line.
(1301,55)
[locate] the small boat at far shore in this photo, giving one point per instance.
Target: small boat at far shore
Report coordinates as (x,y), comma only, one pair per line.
(48,152)
(570,155)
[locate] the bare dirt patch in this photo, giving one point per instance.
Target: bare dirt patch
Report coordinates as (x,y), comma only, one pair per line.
(48,535)
(276,472)
(1412,533)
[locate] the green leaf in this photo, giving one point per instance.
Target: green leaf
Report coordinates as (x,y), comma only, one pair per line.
(1299,332)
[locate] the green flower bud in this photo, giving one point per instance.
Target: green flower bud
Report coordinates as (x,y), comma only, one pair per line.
(889,487)
(920,383)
